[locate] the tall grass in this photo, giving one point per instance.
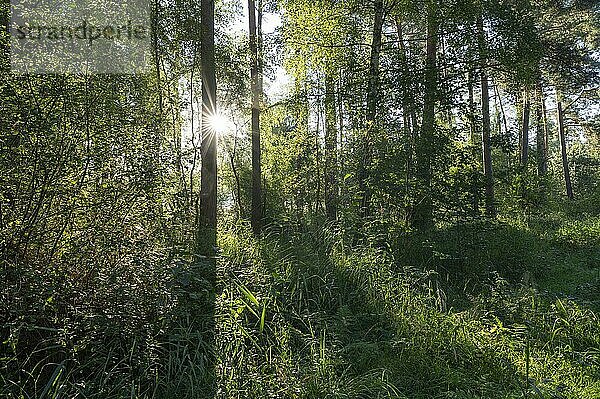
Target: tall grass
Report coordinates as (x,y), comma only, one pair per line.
(472,311)
(337,315)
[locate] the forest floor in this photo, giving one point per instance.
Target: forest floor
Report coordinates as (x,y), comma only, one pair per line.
(475,310)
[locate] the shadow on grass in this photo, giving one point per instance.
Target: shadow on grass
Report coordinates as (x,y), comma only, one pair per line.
(383,323)
(360,330)
(345,322)
(187,349)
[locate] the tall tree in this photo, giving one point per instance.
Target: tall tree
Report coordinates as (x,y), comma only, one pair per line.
(525,129)
(208,190)
(473,139)
(371,114)
(409,116)
(563,148)
(331,159)
(257,203)
(541,132)
(471,108)
(486,129)
(423,214)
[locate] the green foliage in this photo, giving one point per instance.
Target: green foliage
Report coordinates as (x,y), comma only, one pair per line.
(528,193)
(103,293)
(340,320)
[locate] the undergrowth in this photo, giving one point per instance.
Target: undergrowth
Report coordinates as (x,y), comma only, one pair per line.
(310,317)
(473,310)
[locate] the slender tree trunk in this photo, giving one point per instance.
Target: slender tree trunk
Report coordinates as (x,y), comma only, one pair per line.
(541,139)
(259,48)
(372,100)
(317,149)
(331,159)
(236,175)
(539,136)
(257,212)
(501,104)
(473,139)
(260,65)
(301,194)
(472,126)
(525,129)
(423,214)
(542,131)
(563,149)
(208,191)
(447,108)
(341,128)
(298,193)
(490,208)
(343,188)
(408,110)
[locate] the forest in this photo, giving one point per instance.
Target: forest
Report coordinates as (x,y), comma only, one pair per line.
(300,199)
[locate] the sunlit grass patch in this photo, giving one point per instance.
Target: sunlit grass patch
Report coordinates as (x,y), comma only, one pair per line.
(347,322)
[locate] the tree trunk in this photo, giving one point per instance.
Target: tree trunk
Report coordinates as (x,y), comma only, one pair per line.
(259,49)
(257,212)
(490,208)
(542,133)
(525,130)
(236,175)
(208,191)
(372,99)
(473,139)
(500,103)
(563,150)
(423,214)
(317,151)
(408,109)
(341,127)
(446,88)
(331,159)
(472,126)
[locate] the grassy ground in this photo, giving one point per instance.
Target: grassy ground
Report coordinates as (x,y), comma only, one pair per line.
(473,311)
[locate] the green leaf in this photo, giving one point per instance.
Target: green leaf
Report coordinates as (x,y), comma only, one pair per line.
(248,294)
(262,317)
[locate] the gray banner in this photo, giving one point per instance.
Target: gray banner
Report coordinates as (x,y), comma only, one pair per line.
(80,36)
